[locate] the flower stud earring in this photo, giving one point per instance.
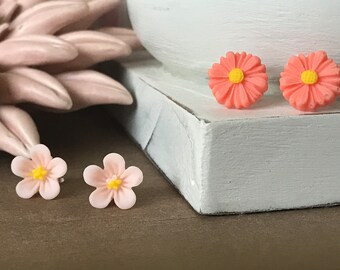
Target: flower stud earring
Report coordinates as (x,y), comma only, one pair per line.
(41,173)
(311,81)
(239,80)
(114,182)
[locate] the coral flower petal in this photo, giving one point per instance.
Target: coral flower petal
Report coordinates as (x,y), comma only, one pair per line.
(125,198)
(114,164)
(329,72)
(41,155)
(49,189)
(27,188)
(221,90)
(318,58)
(101,197)
(229,61)
(296,64)
(229,100)
(317,96)
(253,62)
(328,94)
(218,71)
(22,166)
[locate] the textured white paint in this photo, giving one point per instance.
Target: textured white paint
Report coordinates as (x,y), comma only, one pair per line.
(223,161)
(189,35)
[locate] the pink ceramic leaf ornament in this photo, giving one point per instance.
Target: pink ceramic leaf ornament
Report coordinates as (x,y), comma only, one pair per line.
(18,136)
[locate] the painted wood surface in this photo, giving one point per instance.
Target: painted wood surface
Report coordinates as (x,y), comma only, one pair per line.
(188,36)
(230,161)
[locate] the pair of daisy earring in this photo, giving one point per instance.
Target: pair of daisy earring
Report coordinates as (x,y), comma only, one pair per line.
(42,173)
(307,82)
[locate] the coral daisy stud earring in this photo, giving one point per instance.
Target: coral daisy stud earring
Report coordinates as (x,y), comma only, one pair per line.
(311,81)
(239,80)
(41,173)
(114,182)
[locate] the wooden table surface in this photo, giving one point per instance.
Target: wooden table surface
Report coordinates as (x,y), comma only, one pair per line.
(160,232)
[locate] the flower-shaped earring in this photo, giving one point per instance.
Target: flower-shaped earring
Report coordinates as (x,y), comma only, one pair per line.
(114,182)
(41,173)
(311,81)
(239,80)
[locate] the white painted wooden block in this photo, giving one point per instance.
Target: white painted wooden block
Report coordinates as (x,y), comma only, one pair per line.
(266,158)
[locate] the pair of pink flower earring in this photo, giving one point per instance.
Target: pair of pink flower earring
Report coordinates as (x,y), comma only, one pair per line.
(42,174)
(307,82)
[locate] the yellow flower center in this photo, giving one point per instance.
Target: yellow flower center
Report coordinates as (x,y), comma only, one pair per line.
(39,173)
(309,77)
(236,75)
(114,184)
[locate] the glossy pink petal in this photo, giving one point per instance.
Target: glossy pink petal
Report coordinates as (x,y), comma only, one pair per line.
(27,188)
(218,71)
(318,58)
(22,166)
(41,155)
(101,197)
(57,168)
(125,198)
(295,64)
(132,177)
(114,164)
(49,189)
(94,176)
(252,62)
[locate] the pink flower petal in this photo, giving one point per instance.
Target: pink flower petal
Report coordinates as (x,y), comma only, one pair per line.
(252,62)
(22,166)
(57,168)
(132,177)
(41,155)
(27,188)
(329,72)
(326,65)
(229,61)
(94,176)
(317,58)
(302,97)
(240,57)
(114,164)
(220,91)
(304,61)
(101,197)
(125,198)
(255,71)
(49,189)
(218,71)
(229,99)
(217,81)
(296,64)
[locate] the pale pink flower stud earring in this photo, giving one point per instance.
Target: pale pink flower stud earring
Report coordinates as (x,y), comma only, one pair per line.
(114,182)
(41,173)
